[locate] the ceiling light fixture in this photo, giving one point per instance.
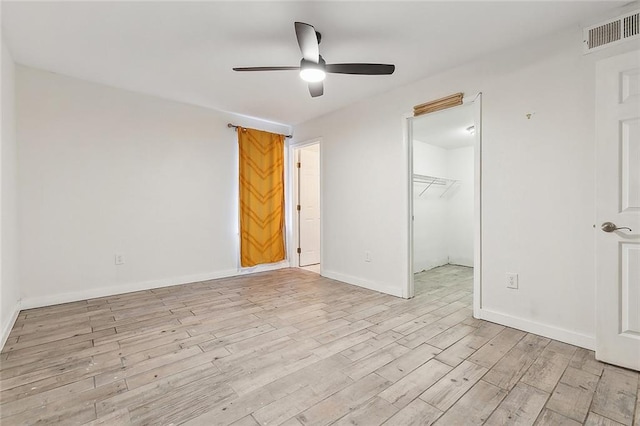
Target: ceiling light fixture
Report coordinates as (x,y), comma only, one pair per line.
(471,130)
(312,75)
(312,72)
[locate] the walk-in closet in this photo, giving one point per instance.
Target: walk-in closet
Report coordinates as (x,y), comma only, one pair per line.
(443,198)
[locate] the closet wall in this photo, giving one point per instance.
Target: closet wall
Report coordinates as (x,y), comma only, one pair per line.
(443,212)
(429,209)
(460,165)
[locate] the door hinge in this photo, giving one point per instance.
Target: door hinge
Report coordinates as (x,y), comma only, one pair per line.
(298,165)
(299,250)
(298,207)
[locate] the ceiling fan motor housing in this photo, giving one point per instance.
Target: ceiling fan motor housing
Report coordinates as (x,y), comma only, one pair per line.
(304,64)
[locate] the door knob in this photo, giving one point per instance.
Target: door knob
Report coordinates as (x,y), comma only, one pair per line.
(610,227)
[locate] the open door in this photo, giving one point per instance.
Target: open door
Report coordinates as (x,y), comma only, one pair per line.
(618,210)
(309,205)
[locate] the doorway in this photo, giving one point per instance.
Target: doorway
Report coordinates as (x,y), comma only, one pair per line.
(306,190)
(444,198)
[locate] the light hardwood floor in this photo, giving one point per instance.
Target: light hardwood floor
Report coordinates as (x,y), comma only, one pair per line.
(290,347)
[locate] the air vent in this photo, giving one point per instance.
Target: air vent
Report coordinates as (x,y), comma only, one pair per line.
(612,32)
(631,25)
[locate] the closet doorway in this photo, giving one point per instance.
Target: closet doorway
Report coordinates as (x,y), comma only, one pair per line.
(445,203)
(307,206)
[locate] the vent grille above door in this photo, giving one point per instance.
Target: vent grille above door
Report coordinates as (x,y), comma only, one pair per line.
(632,25)
(604,34)
(612,32)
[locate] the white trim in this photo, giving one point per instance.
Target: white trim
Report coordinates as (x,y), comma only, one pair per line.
(371,285)
(408,289)
(56,299)
(477,206)
(260,268)
(9,326)
(546,330)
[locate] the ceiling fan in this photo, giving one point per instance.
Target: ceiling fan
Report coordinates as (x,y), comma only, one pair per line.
(313,68)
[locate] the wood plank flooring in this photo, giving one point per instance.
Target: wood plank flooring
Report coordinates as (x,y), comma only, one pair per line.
(292,348)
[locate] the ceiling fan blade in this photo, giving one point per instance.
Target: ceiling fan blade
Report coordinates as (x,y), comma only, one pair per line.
(308,42)
(266,68)
(316,89)
(363,69)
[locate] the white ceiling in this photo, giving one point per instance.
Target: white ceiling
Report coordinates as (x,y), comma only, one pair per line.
(185,50)
(446,129)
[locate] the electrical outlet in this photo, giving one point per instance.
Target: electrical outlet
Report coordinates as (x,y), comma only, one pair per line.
(119,259)
(512,280)
(367,256)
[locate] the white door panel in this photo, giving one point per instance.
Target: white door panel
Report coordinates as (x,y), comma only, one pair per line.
(618,202)
(630,165)
(309,201)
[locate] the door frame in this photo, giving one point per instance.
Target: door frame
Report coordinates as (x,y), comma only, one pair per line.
(409,290)
(292,196)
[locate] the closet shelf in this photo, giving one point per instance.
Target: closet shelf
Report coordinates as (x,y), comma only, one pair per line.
(434,180)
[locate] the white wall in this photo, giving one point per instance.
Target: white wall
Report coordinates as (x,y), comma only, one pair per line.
(537,181)
(460,206)
(430,245)
(106,171)
(9,284)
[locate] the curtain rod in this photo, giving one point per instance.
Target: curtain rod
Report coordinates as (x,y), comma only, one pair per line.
(229,125)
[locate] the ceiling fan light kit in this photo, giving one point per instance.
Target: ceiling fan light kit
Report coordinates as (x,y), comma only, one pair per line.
(312,72)
(313,69)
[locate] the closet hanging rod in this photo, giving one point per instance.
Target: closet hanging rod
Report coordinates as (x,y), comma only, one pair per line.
(448,188)
(426,177)
(433,180)
(235,127)
(424,190)
(437,181)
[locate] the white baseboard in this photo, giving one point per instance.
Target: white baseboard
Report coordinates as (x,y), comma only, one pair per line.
(56,299)
(419,266)
(461,262)
(9,325)
(546,330)
(371,285)
(263,268)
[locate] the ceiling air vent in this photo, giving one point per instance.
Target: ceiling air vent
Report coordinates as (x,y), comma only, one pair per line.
(612,32)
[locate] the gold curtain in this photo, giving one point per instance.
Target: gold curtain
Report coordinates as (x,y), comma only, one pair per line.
(261,197)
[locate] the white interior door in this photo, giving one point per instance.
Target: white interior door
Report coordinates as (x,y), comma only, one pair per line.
(618,206)
(309,202)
